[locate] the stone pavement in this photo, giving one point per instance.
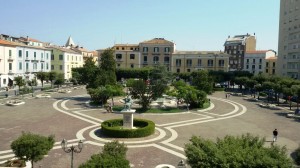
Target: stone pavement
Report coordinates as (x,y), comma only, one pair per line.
(67,116)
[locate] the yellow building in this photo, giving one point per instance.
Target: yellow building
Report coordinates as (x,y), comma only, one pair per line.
(127,55)
(188,61)
(271,65)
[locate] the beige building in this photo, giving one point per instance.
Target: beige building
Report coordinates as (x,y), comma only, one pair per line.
(271,66)
(188,61)
(289,39)
(237,46)
(256,61)
(127,55)
(156,51)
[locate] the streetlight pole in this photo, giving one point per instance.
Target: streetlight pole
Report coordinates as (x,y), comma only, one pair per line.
(72,149)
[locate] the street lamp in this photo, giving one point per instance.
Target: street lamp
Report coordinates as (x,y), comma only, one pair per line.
(72,149)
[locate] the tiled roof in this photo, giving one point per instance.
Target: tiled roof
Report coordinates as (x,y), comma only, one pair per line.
(130,45)
(63,49)
(4,42)
(198,52)
(157,41)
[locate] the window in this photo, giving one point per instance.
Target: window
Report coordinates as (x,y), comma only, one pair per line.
(123,48)
(267,71)
(267,64)
(178,70)
(145,58)
(4,81)
(259,66)
(274,64)
(117,48)
(260,60)
(60,67)
(67,57)
(47,66)
(155,59)
(178,62)
(118,65)
(221,63)
(273,71)
(27,54)
(34,54)
(253,61)
(10,66)
(20,53)
(132,56)
(188,62)
(75,58)
(72,57)
(188,70)
(166,60)
(131,48)
(145,49)
(61,57)
(132,65)
(42,56)
(210,63)
(156,49)
(199,62)
(167,49)
(52,56)
(118,56)
(20,65)
(253,66)
(47,56)
(27,66)
(52,67)
(247,66)
(9,52)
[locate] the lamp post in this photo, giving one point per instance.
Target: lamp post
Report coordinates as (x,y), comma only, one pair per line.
(72,149)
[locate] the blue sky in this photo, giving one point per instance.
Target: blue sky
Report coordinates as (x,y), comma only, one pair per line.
(97,24)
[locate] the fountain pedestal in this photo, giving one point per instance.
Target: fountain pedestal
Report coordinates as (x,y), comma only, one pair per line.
(128,118)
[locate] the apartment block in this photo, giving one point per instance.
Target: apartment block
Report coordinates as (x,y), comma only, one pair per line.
(236,46)
(188,61)
(127,55)
(289,39)
(257,61)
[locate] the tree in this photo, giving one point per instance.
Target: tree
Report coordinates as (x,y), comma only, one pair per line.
(60,79)
(108,67)
(147,93)
(19,81)
(52,76)
(32,147)
(42,76)
(240,151)
(113,155)
(202,81)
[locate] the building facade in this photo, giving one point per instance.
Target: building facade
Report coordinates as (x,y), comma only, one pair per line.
(237,46)
(256,61)
(188,61)
(289,39)
(64,59)
(271,66)
(8,63)
(127,55)
(157,51)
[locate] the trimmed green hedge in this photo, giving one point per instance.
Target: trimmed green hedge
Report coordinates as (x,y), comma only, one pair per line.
(218,89)
(113,128)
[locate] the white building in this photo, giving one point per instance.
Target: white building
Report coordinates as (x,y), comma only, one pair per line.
(255,61)
(7,63)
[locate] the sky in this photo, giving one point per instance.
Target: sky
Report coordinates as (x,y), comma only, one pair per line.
(198,25)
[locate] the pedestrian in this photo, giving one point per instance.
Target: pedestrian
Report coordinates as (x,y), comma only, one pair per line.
(226,95)
(275,134)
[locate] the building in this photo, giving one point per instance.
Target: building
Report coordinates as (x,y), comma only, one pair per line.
(256,61)
(8,63)
(289,39)
(188,61)
(64,59)
(271,66)
(157,51)
(237,46)
(127,55)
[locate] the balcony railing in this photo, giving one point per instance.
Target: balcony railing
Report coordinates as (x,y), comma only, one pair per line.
(10,58)
(26,58)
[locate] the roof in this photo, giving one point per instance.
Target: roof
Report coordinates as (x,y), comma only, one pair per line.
(199,52)
(272,58)
(4,42)
(29,39)
(236,39)
(157,41)
(64,49)
(70,42)
(129,45)
(257,52)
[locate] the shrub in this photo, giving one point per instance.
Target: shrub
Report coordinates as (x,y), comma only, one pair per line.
(25,90)
(218,89)
(113,128)
(297,155)
(46,88)
(262,94)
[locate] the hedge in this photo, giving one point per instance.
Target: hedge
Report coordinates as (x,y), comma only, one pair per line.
(218,89)
(113,128)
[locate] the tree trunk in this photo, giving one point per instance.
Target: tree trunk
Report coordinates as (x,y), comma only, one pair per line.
(31,163)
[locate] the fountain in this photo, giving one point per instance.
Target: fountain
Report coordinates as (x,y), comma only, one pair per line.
(128,113)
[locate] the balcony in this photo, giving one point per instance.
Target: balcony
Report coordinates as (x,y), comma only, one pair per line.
(10,58)
(26,58)
(10,72)
(42,60)
(27,71)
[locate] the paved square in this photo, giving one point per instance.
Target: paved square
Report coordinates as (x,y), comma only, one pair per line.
(67,116)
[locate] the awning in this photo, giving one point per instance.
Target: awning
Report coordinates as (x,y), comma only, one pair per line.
(11,77)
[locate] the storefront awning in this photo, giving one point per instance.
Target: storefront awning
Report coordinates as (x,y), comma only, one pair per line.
(11,77)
